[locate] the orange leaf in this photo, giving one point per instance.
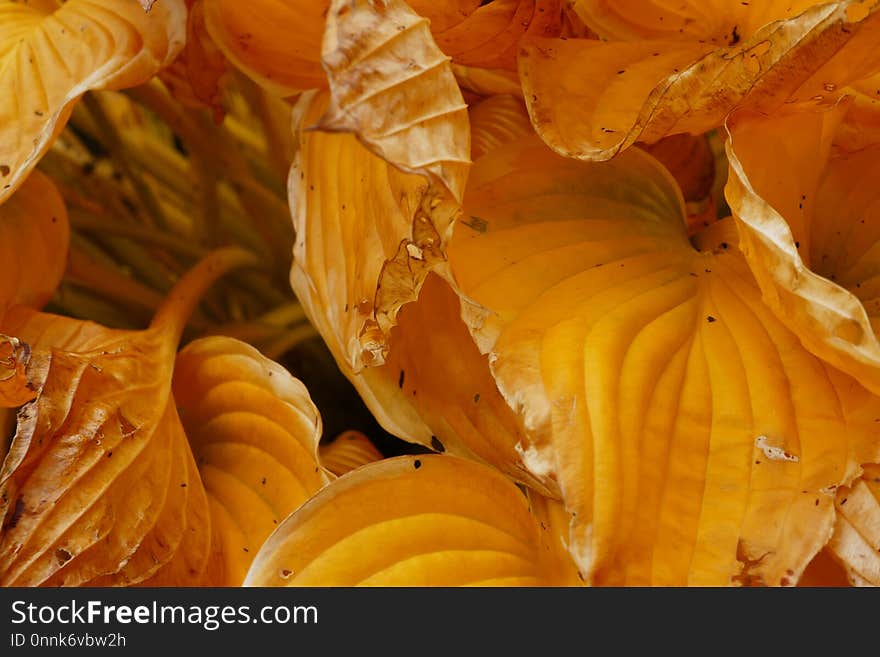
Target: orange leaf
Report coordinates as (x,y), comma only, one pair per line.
(348,451)
(856,539)
(808,221)
(591,99)
(51,53)
(413,117)
(34,235)
(254,432)
(99,486)
(688,429)
(441,521)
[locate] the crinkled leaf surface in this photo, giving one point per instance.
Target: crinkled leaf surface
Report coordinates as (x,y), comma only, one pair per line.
(810,227)
(590,99)
(412,116)
(52,52)
(254,432)
(348,451)
(694,439)
(99,486)
(441,521)
(34,234)
(856,539)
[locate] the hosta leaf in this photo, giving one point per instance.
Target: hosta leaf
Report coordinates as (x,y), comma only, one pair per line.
(441,521)
(367,237)
(811,230)
(489,37)
(348,451)
(195,77)
(414,116)
(856,539)
(51,52)
(690,432)
(34,234)
(275,42)
(99,486)
(590,99)
(15,386)
(495,121)
(717,21)
(254,432)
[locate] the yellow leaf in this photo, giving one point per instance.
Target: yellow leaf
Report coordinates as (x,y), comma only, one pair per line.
(414,117)
(717,21)
(275,42)
(34,235)
(591,99)
(856,539)
(99,486)
(496,121)
(810,229)
(254,432)
(348,451)
(689,430)
(52,52)
(440,521)
(488,38)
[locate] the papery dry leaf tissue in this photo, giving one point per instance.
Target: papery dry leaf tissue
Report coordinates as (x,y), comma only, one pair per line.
(584,293)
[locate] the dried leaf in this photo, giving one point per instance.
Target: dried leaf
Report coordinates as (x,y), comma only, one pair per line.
(591,99)
(254,432)
(367,237)
(99,486)
(689,430)
(441,521)
(52,52)
(809,226)
(34,235)
(496,121)
(16,388)
(412,116)
(348,451)
(856,539)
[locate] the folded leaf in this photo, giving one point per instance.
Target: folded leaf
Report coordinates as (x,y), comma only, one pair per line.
(488,38)
(15,386)
(441,521)
(856,539)
(591,99)
(195,77)
(689,430)
(348,451)
(34,234)
(412,116)
(254,432)
(277,43)
(810,228)
(51,52)
(496,121)
(99,486)
(717,21)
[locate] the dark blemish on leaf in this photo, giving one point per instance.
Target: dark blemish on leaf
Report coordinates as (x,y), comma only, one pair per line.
(4,170)
(245,549)
(263,481)
(401,379)
(843,501)
(417,464)
(477,398)
(183,484)
(477,224)
(437,445)
(110,454)
(817,502)
(63,556)
(734,36)
(710,319)
(17,512)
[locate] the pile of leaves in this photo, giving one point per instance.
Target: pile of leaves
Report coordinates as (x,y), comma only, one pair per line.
(613,265)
